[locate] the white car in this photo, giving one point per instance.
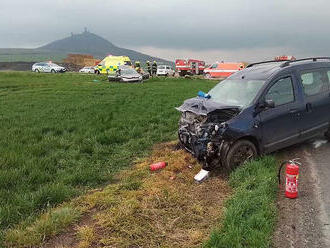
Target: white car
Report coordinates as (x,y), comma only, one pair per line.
(47,67)
(87,69)
(165,70)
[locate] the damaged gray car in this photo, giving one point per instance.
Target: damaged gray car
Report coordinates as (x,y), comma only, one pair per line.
(263,108)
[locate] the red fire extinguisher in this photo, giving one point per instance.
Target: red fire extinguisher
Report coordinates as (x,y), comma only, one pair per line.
(157,166)
(291,178)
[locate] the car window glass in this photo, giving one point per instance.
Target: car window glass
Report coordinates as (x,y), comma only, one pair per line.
(281,92)
(214,66)
(328,74)
(314,82)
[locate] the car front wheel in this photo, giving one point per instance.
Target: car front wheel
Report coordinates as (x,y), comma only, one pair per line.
(239,153)
(208,75)
(53,71)
(327,135)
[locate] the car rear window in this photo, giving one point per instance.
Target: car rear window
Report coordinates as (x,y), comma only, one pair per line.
(314,82)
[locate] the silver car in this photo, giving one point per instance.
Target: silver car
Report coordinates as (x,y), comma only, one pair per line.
(87,69)
(126,74)
(47,67)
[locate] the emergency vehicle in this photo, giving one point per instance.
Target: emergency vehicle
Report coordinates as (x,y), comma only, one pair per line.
(222,70)
(285,57)
(110,64)
(190,66)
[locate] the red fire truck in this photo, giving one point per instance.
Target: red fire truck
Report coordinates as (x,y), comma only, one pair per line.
(190,66)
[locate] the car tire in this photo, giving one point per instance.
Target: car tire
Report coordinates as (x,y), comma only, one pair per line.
(239,153)
(97,72)
(37,71)
(208,75)
(53,71)
(327,135)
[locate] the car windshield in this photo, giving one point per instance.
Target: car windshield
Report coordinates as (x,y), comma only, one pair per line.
(237,92)
(128,71)
(162,67)
(53,65)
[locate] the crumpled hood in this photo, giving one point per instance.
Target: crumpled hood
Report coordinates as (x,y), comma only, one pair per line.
(203,106)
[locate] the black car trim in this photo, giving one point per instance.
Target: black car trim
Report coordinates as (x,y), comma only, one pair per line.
(282,140)
(324,125)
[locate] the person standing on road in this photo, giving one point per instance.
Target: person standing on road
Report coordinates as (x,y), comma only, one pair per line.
(154,68)
(148,67)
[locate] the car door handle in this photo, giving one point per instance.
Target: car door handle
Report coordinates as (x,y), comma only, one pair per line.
(294,112)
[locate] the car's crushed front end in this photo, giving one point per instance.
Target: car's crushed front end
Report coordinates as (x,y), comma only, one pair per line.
(203,129)
(131,78)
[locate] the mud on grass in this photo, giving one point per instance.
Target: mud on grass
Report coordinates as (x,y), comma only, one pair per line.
(150,209)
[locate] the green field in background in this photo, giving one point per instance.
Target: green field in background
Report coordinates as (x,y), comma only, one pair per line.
(62,134)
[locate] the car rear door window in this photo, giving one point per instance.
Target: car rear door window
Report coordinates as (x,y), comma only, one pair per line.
(314,82)
(281,92)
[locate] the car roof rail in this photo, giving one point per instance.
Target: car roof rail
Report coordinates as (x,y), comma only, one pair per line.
(288,62)
(266,62)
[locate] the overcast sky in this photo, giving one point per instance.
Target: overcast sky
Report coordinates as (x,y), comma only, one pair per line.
(242,30)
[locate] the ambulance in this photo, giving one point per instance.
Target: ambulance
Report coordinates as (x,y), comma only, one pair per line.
(222,69)
(110,64)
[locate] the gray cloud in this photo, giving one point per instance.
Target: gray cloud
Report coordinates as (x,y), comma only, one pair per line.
(297,26)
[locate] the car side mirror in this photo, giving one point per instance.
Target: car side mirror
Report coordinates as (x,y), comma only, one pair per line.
(266,104)
(269,104)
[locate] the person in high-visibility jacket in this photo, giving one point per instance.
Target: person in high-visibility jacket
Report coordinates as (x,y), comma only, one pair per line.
(154,68)
(137,66)
(148,65)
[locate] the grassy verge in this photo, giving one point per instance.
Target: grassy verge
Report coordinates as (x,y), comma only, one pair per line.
(142,209)
(64,134)
(250,214)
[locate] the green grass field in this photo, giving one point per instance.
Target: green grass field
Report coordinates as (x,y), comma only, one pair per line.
(63,134)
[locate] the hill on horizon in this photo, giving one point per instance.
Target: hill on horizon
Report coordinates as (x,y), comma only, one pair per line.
(83,43)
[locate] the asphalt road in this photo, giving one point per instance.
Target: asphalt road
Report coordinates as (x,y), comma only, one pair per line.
(305,221)
(319,160)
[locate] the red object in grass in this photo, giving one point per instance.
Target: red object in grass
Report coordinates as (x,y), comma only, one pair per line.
(157,166)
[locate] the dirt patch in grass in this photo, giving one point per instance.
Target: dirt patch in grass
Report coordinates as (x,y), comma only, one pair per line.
(151,209)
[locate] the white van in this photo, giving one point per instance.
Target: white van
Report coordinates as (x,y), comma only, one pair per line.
(165,70)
